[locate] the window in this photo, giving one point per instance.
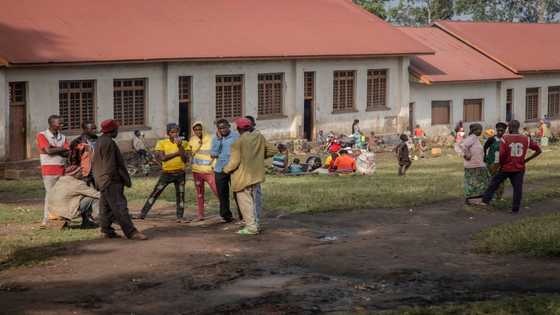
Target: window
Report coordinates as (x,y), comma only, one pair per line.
(553,101)
(441,112)
(472,110)
(76,103)
(377,89)
(271,86)
(509,104)
(309,85)
(17,93)
(185,88)
(532,104)
(229,96)
(129,102)
(343,91)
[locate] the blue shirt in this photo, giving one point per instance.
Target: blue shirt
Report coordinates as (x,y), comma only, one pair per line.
(222,149)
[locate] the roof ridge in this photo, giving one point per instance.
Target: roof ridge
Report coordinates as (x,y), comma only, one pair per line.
(496,22)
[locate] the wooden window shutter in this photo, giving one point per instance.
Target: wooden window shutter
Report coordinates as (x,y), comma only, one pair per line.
(343,91)
(309,85)
(554,101)
(441,112)
(76,103)
(532,104)
(377,89)
(270,94)
(129,102)
(472,110)
(229,96)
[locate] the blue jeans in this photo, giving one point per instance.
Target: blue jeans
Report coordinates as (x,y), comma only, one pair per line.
(516,179)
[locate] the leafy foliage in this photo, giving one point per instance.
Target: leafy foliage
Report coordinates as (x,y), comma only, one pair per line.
(376,7)
(421,12)
(510,10)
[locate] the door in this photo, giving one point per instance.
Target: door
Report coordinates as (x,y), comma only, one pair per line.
(308,105)
(411,116)
(18,122)
(185,107)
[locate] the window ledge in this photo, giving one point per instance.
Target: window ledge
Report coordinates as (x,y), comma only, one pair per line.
(377,109)
(141,128)
(270,117)
(532,120)
(442,124)
(347,111)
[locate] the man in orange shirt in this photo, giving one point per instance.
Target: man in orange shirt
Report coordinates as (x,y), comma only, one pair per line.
(345,163)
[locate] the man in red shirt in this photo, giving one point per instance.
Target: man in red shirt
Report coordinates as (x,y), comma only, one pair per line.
(53,150)
(513,152)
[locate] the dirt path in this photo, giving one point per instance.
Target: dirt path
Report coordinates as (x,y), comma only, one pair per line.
(302,264)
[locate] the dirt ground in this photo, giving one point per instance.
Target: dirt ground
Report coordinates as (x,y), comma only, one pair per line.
(333,263)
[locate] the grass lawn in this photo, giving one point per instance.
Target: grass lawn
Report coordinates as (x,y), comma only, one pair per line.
(535,305)
(429,180)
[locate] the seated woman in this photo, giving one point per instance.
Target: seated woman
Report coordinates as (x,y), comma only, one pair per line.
(345,163)
(296,167)
(280,160)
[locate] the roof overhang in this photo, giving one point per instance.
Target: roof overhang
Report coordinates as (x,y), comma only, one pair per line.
(3,62)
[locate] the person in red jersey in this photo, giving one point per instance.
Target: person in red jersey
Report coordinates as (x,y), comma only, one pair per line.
(513,152)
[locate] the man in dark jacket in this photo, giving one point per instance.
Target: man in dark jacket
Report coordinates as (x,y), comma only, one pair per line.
(110,175)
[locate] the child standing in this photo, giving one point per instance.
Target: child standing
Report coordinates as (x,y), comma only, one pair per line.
(403,156)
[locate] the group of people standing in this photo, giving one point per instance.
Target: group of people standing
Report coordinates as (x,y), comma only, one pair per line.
(503,156)
(92,169)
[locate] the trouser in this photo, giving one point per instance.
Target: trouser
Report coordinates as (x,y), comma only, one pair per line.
(178,179)
(403,167)
(48,181)
(199,179)
(89,207)
(494,169)
(222,186)
(113,208)
(516,179)
(249,204)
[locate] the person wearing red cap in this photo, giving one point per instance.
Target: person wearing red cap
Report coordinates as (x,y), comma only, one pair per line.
(110,177)
(246,166)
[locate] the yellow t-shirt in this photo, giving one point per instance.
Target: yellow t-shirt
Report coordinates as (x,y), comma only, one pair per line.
(168,147)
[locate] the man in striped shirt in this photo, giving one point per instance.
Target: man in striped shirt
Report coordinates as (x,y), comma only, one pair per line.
(53,149)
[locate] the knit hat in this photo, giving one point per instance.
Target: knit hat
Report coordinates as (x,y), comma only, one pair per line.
(109,125)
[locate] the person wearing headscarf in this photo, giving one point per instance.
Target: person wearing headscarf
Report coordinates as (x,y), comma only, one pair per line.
(492,153)
(476,173)
(172,152)
(110,176)
(202,165)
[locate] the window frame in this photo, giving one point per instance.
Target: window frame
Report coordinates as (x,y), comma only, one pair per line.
(465,109)
(527,95)
(232,84)
(81,90)
(336,81)
(449,112)
(555,94)
(370,97)
(122,88)
(262,85)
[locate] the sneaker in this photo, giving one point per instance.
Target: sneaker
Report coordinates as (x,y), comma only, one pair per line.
(138,236)
(478,202)
(88,225)
(245,231)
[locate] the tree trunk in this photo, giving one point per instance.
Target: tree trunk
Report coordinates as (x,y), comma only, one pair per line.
(541,11)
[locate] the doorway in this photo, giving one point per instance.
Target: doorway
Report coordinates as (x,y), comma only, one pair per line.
(411,116)
(17,133)
(185,101)
(308,105)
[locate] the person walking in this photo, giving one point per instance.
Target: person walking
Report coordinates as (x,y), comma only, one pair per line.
(403,155)
(492,154)
(476,173)
(202,168)
(172,152)
(221,152)
(53,150)
(247,169)
(110,176)
(513,152)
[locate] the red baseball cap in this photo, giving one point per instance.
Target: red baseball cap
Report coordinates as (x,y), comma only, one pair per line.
(109,125)
(243,123)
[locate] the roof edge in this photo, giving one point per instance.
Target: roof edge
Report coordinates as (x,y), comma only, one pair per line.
(439,25)
(217,59)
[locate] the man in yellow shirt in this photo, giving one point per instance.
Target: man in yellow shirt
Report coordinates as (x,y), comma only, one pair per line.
(172,152)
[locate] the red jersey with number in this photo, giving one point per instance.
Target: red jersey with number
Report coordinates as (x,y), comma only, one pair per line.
(513,150)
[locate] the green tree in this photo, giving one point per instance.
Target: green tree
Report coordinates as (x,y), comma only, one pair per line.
(421,12)
(376,7)
(510,10)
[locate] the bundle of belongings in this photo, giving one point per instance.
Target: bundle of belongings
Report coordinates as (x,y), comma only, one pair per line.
(74,194)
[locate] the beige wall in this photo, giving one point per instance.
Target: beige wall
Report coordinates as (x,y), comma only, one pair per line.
(4,109)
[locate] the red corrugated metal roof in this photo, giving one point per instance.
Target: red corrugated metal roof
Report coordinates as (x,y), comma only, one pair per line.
(453,60)
(33,31)
(523,47)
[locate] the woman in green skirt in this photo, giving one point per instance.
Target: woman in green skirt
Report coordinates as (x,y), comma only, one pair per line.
(476,173)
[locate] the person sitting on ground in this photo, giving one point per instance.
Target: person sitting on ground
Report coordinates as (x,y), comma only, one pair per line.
(403,155)
(345,163)
(72,197)
(280,159)
(172,151)
(295,167)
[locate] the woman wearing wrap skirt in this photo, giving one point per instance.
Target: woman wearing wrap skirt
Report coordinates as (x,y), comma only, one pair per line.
(476,173)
